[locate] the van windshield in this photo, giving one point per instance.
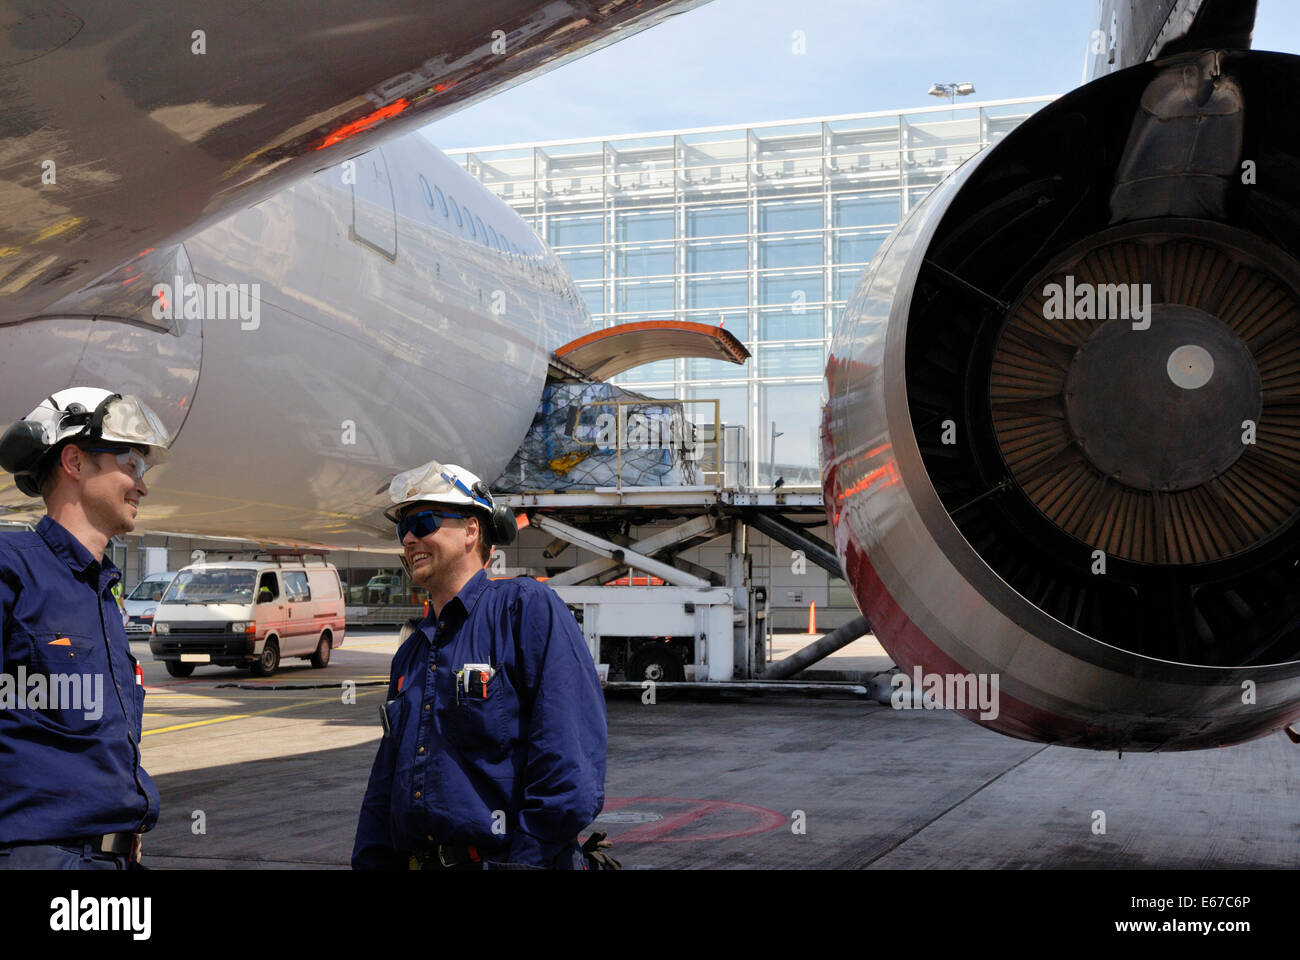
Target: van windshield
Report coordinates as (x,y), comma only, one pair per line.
(145,589)
(211,586)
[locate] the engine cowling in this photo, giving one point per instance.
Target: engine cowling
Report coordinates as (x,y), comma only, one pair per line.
(1061,445)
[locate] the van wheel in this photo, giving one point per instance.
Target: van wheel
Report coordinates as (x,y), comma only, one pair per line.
(177,669)
(321,657)
(270,659)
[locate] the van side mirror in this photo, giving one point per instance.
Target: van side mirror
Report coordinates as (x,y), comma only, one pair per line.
(264,595)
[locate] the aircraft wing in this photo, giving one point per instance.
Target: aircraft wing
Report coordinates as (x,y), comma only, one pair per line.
(128,124)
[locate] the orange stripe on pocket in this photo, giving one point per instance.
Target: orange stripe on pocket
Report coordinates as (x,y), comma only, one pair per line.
(61,642)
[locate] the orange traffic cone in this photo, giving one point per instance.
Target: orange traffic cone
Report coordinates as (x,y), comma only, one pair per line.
(812,617)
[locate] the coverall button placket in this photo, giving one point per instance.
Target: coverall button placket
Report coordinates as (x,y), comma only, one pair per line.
(422,727)
(105,578)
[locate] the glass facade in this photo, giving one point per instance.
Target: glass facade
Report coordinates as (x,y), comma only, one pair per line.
(764,230)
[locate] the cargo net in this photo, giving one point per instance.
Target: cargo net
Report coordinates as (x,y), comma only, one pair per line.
(574,442)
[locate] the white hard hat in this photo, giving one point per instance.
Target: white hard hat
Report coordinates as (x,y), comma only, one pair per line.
(434,482)
(90,412)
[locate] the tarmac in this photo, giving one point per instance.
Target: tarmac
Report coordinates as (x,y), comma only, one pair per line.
(269,774)
(857,662)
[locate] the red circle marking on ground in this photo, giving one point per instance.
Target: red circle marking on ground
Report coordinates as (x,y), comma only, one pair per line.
(692,812)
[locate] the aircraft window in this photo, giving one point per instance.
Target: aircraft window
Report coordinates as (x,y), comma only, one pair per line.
(428,195)
(441,202)
(469,218)
(455,211)
(493,234)
(482,232)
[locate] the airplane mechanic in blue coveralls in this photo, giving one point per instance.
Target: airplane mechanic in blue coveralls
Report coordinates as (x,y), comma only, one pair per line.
(73,795)
(493,752)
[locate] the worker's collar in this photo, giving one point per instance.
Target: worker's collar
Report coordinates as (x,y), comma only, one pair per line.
(74,553)
(464,599)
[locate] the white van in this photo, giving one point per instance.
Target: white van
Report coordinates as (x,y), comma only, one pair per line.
(251,612)
(141,603)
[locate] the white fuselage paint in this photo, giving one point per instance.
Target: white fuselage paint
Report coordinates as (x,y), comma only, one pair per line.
(387,336)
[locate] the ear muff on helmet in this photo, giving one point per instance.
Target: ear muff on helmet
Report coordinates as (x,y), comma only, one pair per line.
(22,446)
(22,449)
(501,528)
(502,525)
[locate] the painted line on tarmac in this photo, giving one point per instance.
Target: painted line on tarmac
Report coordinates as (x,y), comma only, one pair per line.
(673,828)
(290,684)
(244,716)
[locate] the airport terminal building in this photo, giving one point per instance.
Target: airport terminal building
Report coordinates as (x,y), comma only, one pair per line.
(762,229)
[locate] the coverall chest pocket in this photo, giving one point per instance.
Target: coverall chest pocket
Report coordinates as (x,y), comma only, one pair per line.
(475,720)
(59,678)
(392,716)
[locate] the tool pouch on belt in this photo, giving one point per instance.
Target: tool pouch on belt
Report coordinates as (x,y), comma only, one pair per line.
(593,851)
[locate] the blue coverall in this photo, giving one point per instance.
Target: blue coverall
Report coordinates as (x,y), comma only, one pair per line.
(69,770)
(514,769)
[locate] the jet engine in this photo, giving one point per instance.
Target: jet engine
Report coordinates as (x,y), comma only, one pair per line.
(1061,445)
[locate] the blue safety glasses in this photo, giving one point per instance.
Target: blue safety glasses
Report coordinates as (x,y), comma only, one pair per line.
(423,522)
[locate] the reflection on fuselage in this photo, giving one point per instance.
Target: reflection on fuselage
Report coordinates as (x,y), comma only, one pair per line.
(389,333)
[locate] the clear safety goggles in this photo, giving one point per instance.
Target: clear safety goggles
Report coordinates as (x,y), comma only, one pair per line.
(133,461)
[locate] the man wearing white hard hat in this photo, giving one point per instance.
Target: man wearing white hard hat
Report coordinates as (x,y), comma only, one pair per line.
(493,752)
(72,792)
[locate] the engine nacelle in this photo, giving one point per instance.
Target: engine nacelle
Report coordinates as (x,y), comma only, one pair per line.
(1062,440)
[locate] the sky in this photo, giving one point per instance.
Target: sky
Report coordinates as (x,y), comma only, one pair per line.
(732,62)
